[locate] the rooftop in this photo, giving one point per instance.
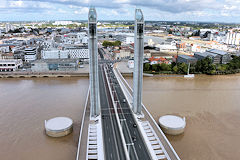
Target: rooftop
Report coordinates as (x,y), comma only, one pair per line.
(187,57)
(205,54)
(216,51)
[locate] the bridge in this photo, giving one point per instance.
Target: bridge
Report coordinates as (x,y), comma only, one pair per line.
(115,123)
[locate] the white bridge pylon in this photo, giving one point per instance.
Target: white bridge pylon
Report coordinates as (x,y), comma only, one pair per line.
(93,51)
(138,61)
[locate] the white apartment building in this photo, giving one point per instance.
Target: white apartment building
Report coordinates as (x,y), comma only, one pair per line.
(131,64)
(79,53)
(85,40)
(30,54)
(123,53)
(4,49)
(63,54)
(54,54)
(8,27)
(10,65)
(72,38)
(129,40)
(62,23)
(167,47)
(233,38)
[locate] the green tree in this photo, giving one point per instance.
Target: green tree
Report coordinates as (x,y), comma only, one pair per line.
(221,67)
(205,65)
(165,67)
(117,43)
(234,63)
(182,68)
(146,67)
(175,69)
(154,67)
(106,43)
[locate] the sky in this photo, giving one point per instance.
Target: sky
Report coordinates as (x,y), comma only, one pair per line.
(157,10)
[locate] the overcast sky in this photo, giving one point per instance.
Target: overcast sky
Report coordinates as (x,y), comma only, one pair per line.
(162,10)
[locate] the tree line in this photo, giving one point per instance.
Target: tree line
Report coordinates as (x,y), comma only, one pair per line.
(204,66)
(110,44)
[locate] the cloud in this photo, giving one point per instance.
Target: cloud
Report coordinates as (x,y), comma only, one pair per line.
(122,9)
(81,10)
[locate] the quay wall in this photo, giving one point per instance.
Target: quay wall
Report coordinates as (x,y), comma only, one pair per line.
(42,74)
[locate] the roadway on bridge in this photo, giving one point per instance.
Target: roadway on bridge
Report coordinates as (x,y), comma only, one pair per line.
(136,146)
(113,144)
(131,132)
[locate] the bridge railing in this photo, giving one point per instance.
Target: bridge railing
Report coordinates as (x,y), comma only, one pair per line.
(82,124)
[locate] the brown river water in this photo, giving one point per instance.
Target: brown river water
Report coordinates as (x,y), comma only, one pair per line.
(211,105)
(26,103)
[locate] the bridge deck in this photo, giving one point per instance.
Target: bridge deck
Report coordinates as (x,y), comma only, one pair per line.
(147,117)
(109,123)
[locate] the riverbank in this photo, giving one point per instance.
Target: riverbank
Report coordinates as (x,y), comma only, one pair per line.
(42,74)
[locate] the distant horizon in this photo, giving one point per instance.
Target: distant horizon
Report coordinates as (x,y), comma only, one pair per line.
(182,21)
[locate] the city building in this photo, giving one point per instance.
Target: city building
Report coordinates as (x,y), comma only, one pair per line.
(10,65)
(233,38)
(4,48)
(225,57)
(123,53)
(217,56)
(186,59)
(216,59)
(63,54)
(54,54)
(131,63)
(147,54)
(158,54)
(57,23)
(8,27)
(9,55)
(54,65)
(30,54)
(129,40)
(160,60)
(78,53)
(167,45)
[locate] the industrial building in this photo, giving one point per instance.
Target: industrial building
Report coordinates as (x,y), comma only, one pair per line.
(217,56)
(186,59)
(54,65)
(216,59)
(225,57)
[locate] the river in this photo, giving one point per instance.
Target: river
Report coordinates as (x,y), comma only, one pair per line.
(209,103)
(26,103)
